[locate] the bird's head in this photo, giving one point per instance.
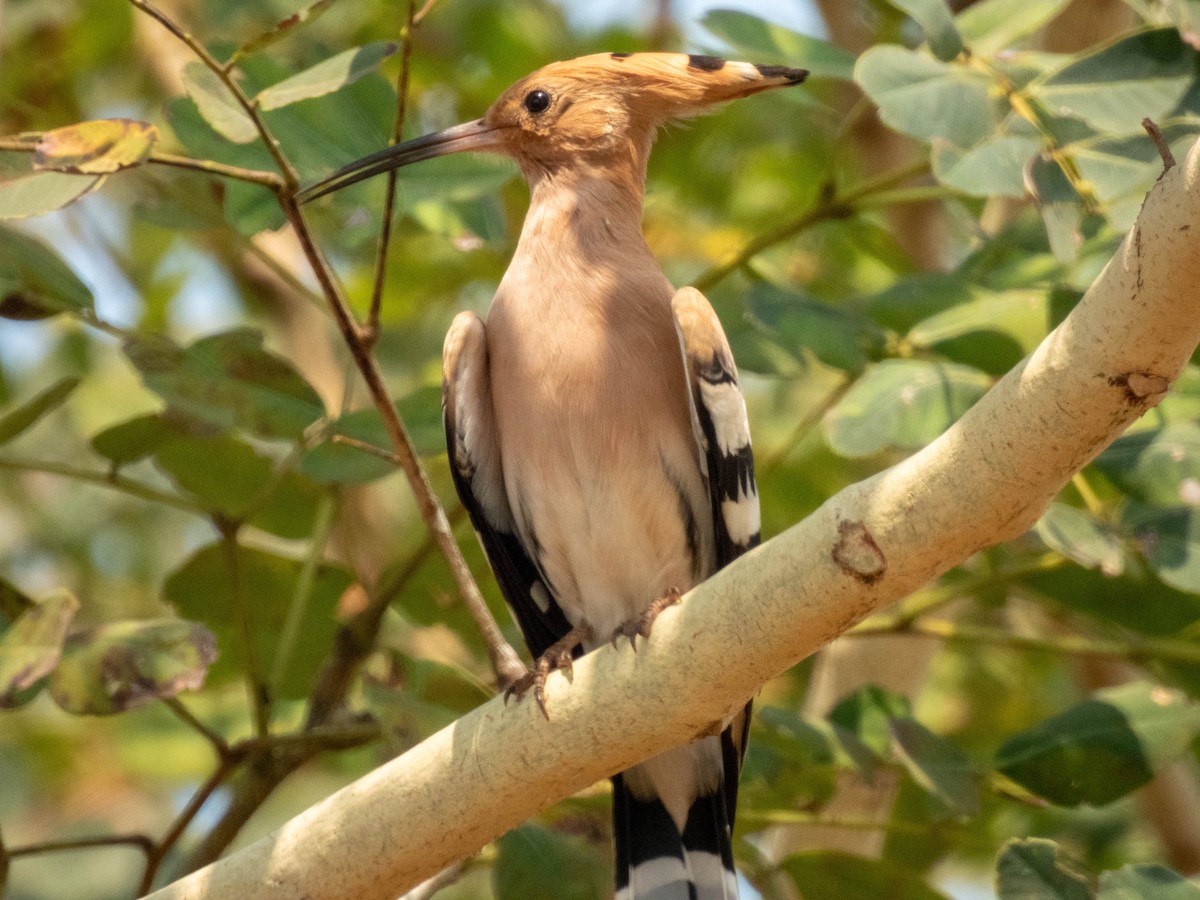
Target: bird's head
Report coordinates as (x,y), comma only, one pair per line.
(594,111)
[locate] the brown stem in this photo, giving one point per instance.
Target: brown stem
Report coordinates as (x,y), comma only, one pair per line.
(503,658)
(268,762)
(256,686)
(27,143)
(371,330)
(140,841)
(1160,142)
(291,181)
(423,12)
(155,857)
(4,860)
(834,206)
(219,744)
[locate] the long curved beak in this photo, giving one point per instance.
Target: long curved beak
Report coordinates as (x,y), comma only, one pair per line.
(477,135)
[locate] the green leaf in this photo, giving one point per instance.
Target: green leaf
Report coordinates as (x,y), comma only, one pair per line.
(111,668)
(937,21)
(1078,536)
(1032,870)
(35,282)
(1159,466)
(32,646)
(902,404)
(757,39)
(133,439)
(823,873)
(1135,600)
(252,208)
(1101,750)
(326,77)
(916,298)
(1146,882)
(938,766)
(282,29)
(15,422)
(38,193)
(98,147)
(839,338)
(794,763)
(1115,87)
(994,25)
(228,477)
(906,85)
(868,712)
(201,589)
(1059,204)
(217,104)
(1019,314)
(1169,540)
(537,862)
(228,380)
(994,167)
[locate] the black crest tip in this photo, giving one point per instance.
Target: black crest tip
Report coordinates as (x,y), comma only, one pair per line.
(793,76)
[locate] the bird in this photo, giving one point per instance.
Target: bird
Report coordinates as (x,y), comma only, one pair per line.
(595,423)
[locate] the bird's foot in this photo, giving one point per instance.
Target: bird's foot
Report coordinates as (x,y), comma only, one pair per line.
(642,624)
(557,656)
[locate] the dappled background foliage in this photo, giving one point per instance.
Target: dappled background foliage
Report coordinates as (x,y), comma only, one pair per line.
(219,602)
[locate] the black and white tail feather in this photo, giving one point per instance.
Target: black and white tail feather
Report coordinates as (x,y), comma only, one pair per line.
(657,858)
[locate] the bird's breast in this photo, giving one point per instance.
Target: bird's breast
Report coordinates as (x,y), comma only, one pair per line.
(600,465)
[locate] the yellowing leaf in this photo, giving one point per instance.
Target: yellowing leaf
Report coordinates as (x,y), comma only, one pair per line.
(98,147)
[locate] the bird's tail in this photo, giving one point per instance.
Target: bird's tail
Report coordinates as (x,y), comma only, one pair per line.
(655,861)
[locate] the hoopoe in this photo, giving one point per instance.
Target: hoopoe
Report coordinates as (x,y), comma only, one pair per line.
(595,423)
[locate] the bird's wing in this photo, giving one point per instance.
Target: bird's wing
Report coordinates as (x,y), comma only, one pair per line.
(720,424)
(475,464)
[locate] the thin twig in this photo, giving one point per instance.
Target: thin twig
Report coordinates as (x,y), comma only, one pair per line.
(291,181)
(219,744)
(298,609)
(504,660)
(1160,142)
(370,331)
(27,143)
(140,841)
(426,890)
(106,479)
(834,206)
(1135,650)
(367,447)
(256,688)
(4,860)
(313,740)
(424,11)
(814,417)
(155,857)
(269,180)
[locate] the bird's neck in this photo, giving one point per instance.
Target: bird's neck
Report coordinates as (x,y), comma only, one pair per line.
(595,214)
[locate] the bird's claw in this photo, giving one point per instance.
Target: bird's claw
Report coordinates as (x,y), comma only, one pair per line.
(641,625)
(558,655)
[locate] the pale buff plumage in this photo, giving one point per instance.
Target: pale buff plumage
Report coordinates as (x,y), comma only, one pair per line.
(597,432)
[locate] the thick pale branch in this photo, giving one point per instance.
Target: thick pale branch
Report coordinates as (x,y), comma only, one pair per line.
(985,480)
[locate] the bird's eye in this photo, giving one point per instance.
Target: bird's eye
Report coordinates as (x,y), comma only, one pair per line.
(537,101)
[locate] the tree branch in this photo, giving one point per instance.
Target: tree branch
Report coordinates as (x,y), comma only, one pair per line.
(986,480)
